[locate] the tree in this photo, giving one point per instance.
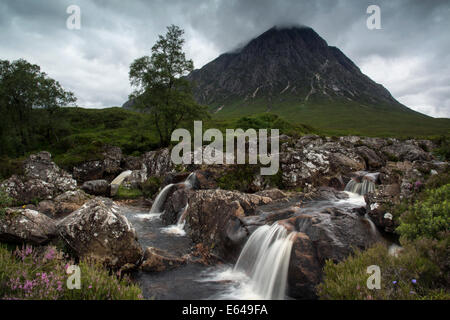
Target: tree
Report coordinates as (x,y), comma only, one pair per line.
(160,87)
(23,86)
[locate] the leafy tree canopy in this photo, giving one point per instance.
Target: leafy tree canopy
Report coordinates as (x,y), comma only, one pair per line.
(160,87)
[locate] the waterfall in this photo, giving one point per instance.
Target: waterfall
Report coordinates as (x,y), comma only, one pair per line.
(190,180)
(265,259)
(360,188)
(160,199)
(178,229)
(373,228)
(119,179)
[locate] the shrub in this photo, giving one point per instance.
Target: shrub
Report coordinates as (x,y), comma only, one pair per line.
(40,274)
(443,151)
(428,217)
(240,177)
(419,271)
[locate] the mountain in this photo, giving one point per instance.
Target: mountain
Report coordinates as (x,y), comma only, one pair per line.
(294,72)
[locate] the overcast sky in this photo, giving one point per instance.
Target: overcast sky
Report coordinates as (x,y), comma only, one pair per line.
(409,55)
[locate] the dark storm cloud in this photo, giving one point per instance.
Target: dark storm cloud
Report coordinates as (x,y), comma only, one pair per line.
(409,55)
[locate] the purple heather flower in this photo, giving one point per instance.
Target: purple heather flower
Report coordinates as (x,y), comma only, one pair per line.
(394,282)
(414,281)
(50,254)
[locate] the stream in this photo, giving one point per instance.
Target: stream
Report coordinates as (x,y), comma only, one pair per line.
(265,257)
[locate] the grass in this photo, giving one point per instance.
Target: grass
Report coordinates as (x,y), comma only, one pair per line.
(125,193)
(342,117)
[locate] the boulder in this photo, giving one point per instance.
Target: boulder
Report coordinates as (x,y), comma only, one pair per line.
(404,151)
(176,201)
(26,226)
(157,260)
(42,180)
(108,167)
(64,204)
(97,230)
(97,188)
(158,163)
(131,163)
(304,268)
(213,219)
(313,162)
(329,234)
(373,160)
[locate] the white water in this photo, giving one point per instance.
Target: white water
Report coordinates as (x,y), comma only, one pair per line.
(262,268)
(190,180)
(119,179)
(147,216)
(360,188)
(178,229)
(354,199)
(160,199)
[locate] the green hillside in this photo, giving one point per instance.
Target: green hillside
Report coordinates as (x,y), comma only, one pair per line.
(342,117)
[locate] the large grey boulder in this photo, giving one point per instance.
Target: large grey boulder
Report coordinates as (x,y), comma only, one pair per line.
(26,226)
(99,231)
(213,218)
(97,188)
(331,234)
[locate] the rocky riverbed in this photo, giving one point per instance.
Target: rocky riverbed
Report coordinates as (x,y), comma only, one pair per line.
(201,241)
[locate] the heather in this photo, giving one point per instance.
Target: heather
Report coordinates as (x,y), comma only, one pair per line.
(39,273)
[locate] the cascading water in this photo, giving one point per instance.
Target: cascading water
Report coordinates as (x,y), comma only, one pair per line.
(190,180)
(360,188)
(265,258)
(160,199)
(178,229)
(262,268)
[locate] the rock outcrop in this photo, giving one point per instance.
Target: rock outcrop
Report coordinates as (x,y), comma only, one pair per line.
(313,161)
(108,167)
(213,219)
(330,234)
(42,180)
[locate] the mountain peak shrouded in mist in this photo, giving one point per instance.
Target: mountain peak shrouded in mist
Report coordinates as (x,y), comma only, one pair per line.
(286,62)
